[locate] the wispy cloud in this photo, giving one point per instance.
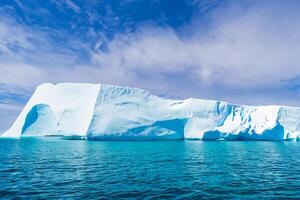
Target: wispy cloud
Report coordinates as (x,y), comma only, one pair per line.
(62,4)
(241,50)
(72,6)
(235,42)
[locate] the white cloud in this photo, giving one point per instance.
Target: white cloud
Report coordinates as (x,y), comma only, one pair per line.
(69,4)
(152,51)
(72,6)
(253,49)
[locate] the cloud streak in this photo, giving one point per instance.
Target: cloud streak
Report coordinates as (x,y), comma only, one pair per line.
(245,50)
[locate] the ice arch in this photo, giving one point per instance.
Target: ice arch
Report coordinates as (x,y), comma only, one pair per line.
(40,121)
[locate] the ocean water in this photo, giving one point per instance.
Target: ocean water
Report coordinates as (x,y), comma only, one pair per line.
(52,168)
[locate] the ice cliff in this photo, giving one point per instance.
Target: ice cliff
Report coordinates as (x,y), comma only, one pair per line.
(105,112)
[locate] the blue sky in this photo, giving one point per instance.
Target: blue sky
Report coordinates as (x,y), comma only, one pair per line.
(244,52)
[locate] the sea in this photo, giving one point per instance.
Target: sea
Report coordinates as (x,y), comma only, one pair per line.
(54,168)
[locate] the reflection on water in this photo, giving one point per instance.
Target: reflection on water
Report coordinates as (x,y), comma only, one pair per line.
(55,168)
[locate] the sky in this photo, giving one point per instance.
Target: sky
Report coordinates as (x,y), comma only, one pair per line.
(240,51)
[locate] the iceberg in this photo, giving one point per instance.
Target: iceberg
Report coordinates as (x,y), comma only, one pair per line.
(107,112)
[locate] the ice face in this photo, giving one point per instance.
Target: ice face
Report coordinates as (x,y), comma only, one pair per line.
(72,106)
(105,112)
(40,120)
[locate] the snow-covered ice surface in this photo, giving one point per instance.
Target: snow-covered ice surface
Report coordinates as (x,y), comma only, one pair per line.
(62,109)
(105,112)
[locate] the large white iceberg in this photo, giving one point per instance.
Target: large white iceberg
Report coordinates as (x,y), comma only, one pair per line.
(105,112)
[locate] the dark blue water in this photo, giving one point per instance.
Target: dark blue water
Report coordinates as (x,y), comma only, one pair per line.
(51,168)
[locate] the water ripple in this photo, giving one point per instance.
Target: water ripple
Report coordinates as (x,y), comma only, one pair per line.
(58,169)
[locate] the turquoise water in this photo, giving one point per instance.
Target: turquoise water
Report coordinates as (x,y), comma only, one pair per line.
(52,168)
